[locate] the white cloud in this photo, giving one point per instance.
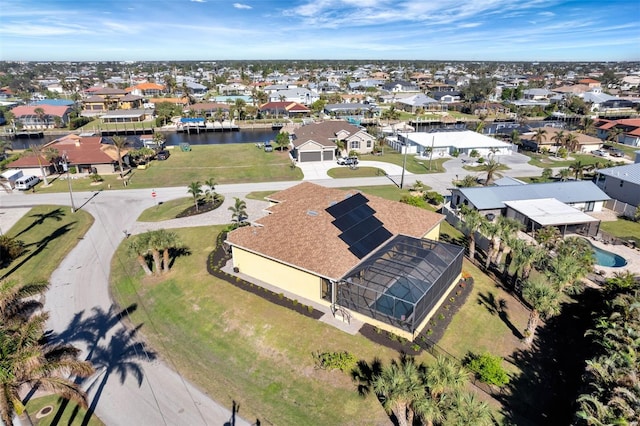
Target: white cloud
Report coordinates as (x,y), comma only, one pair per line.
(242,6)
(198,1)
(547,14)
(470,25)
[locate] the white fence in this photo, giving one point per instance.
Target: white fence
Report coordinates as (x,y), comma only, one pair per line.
(621,208)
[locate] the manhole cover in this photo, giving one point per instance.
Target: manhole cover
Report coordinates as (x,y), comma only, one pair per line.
(44,412)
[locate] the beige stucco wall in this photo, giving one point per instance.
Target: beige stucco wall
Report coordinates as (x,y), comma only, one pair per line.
(278,274)
(434,234)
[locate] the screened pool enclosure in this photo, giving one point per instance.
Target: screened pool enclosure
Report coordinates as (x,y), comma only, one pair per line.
(402,281)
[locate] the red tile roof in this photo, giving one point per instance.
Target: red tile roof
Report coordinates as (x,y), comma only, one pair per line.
(300,232)
(53,110)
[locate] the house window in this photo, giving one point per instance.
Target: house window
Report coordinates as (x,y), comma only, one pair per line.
(354,145)
(621,183)
(369,144)
(590,206)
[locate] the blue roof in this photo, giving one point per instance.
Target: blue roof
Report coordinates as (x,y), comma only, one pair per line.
(55,102)
(629,173)
(493,197)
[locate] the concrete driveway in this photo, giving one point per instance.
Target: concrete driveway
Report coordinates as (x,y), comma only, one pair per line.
(317,170)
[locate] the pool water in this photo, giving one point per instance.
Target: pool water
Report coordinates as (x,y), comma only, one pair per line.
(606,258)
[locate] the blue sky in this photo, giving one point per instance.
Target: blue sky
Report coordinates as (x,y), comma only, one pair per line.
(528,30)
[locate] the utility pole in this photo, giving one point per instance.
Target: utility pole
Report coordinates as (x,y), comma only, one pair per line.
(66,168)
(404,163)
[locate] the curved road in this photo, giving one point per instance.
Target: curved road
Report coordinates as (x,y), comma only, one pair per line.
(150,392)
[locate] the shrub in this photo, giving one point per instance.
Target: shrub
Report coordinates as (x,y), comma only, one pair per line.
(280,296)
(487,368)
(474,153)
(10,249)
(480,160)
(440,317)
(95,177)
(415,347)
(434,198)
(377,329)
(310,309)
(562,152)
(455,153)
(343,361)
(413,200)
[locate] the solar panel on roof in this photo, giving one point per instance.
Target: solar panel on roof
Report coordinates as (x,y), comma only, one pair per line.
(361,230)
(353,217)
(347,205)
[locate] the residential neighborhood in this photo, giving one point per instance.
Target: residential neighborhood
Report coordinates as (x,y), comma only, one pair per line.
(284,236)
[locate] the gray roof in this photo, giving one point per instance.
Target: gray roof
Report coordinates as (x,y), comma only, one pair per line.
(493,197)
(629,173)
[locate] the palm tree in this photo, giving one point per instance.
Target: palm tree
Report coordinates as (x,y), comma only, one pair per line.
(467,409)
(167,240)
(5,145)
(548,236)
(155,244)
(614,134)
(524,256)
(445,376)
(544,301)
(539,136)
(210,192)
(398,385)
(515,137)
(39,112)
(28,360)
(571,142)
(508,233)
(491,168)
(120,143)
(578,168)
(17,300)
(238,211)
(36,150)
(587,125)
(563,174)
(195,189)
(491,230)
(558,138)
(139,247)
(471,222)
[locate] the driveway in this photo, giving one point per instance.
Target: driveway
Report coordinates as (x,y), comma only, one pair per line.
(317,170)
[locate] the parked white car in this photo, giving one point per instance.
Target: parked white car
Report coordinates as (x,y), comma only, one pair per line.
(600,153)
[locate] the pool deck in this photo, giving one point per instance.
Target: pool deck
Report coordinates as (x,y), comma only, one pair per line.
(632,255)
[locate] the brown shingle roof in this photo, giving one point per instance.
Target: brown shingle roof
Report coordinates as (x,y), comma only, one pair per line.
(299,231)
(323,133)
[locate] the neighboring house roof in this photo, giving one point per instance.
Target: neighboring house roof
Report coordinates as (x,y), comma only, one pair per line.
(55,102)
(131,98)
(465,139)
(146,86)
(53,110)
(106,91)
(417,100)
(629,173)
(284,106)
(209,106)
(550,212)
(324,133)
(300,232)
(179,101)
(493,197)
(598,97)
(94,99)
(552,131)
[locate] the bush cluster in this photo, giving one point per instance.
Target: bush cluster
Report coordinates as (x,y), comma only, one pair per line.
(343,361)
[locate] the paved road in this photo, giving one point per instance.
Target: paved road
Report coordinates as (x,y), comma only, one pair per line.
(80,289)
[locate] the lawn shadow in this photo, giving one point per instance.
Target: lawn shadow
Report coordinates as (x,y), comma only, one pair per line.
(551,369)
(56,215)
(40,245)
(499,307)
(175,253)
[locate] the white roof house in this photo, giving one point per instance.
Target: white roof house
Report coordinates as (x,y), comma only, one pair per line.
(444,143)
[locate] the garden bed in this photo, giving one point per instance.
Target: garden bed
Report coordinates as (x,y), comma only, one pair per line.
(219,257)
(202,208)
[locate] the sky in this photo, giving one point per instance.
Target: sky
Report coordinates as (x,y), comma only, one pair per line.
(147,30)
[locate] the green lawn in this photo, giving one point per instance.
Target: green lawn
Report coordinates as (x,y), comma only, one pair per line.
(624,229)
(167,210)
(544,161)
(237,346)
(73,415)
(414,164)
(347,172)
(49,234)
(480,167)
(232,163)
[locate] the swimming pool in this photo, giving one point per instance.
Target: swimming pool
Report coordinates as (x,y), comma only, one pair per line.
(606,258)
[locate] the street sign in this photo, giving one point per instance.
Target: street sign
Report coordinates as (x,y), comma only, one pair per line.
(153,194)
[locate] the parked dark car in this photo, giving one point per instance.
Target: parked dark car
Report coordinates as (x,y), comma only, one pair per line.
(616,152)
(163,155)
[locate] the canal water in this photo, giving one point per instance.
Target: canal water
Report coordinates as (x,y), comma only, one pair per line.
(175,138)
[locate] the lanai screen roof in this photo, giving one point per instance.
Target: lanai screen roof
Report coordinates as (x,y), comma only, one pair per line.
(549,212)
(402,281)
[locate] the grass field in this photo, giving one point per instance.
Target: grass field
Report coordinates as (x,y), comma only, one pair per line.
(624,229)
(237,346)
(167,210)
(73,415)
(543,161)
(347,172)
(233,163)
(49,234)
